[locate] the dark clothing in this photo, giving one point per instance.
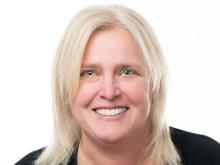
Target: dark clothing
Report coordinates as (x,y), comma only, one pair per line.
(194,149)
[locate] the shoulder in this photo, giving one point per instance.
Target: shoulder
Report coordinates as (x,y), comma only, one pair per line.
(196,148)
(30,158)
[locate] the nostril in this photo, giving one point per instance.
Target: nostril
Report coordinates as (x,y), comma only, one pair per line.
(109,92)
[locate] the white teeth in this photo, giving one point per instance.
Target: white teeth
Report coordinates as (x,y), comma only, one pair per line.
(110,112)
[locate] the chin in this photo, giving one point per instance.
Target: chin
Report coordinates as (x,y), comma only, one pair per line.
(110,137)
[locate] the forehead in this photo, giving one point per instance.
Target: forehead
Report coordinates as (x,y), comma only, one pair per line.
(114,42)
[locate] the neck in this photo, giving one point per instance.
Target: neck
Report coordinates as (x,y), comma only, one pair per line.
(128,152)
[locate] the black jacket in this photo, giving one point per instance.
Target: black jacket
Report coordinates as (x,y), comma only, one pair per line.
(194,149)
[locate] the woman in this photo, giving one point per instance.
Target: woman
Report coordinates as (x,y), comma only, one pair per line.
(109,95)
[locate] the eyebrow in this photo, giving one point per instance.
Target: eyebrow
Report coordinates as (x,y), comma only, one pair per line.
(120,65)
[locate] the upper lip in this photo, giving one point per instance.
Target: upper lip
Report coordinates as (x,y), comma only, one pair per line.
(110,107)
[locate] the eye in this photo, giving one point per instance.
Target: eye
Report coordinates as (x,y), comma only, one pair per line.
(87,73)
(127,72)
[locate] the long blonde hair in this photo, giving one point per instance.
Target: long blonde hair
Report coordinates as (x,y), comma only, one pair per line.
(66,73)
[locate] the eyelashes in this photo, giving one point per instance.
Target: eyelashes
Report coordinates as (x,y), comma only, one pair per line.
(127,72)
(91,73)
(88,73)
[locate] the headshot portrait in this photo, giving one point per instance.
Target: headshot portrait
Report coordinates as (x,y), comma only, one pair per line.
(110,97)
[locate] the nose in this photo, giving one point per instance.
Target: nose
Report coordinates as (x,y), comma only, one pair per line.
(109,89)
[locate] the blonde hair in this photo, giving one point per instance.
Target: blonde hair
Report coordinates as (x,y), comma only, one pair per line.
(66,73)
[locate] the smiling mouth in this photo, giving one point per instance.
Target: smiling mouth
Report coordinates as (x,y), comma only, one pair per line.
(110,111)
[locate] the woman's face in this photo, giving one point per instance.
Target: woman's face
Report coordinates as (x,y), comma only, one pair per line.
(112,102)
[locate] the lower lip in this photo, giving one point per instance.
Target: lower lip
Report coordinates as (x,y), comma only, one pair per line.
(111,118)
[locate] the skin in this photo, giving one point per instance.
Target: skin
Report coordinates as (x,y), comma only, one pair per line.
(113,75)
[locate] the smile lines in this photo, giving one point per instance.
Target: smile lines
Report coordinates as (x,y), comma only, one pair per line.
(110,112)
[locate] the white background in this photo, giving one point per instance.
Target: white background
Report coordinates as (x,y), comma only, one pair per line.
(189,32)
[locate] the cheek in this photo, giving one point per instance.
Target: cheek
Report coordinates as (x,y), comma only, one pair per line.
(138,94)
(85,93)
